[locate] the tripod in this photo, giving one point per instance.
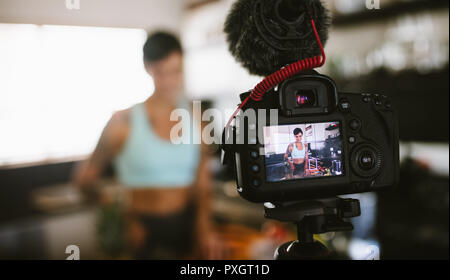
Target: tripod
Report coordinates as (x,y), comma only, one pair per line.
(313,217)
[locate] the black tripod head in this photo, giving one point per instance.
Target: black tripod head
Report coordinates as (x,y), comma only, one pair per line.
(313,217)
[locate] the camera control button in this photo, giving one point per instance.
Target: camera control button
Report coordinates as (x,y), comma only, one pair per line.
(255,168)
(367,99)
(344,105)
(377,100)
(254,154)
(355,124)
(367,160)
(256,182)
(388,104)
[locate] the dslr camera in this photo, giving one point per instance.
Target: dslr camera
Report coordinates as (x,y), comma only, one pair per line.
(322,143)
(302,139)
(297,143)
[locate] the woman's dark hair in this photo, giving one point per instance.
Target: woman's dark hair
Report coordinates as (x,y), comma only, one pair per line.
(159,45)
(297,131)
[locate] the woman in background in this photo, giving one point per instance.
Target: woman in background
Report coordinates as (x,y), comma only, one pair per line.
(168,185)
(299,154)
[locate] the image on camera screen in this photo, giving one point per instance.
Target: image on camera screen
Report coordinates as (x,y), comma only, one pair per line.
(302,151)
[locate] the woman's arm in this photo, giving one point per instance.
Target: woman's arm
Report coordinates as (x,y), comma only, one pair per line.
(87,173)
(209,245)
(203,192)
(288,151)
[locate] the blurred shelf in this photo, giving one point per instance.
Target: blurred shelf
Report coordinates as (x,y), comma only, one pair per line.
(394,10)
(229,207)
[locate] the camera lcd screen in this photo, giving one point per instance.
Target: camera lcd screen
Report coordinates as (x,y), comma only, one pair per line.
(303,151)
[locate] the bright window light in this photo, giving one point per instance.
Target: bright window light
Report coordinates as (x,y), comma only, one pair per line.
(59,85)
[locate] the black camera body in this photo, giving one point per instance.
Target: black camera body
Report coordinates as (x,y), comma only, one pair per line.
(326,143)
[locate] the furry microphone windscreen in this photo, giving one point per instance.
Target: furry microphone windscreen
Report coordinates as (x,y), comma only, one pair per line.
(266,35)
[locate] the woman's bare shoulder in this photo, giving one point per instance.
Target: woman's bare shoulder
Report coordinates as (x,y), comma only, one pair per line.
(117,128)
(121,117)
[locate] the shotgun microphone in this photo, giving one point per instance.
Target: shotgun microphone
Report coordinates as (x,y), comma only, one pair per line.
(266,35)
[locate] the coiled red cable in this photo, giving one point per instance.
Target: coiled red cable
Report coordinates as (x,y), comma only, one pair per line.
(283,74)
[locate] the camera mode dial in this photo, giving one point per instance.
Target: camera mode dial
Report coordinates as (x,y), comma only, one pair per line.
(366,160)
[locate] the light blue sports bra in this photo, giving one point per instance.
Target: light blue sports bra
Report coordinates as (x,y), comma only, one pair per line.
(296,153)
(147,160)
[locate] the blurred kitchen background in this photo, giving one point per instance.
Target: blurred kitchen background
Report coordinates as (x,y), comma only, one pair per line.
(63,72)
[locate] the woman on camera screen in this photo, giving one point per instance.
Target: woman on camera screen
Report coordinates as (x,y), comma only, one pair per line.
(297,155)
